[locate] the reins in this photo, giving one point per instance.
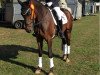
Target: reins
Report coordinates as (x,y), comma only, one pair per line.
(33,15)
(39,22)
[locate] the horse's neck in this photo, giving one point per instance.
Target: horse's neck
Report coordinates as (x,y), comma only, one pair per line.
(40,10)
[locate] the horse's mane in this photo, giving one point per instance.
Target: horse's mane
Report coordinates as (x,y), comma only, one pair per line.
(41,9)
(38,4)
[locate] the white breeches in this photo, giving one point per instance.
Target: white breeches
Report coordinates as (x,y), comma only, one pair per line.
(58,11)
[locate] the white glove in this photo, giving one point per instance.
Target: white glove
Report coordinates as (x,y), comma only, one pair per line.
(49,4)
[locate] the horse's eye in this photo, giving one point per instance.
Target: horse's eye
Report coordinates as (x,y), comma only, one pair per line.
(23,11)
(29,12)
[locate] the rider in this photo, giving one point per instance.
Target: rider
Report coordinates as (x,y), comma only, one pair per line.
(55,6)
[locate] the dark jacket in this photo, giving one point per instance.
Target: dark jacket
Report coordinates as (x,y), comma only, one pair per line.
(55,2)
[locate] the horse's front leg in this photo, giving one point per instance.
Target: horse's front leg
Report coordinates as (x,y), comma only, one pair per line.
(49,42)
(40,45)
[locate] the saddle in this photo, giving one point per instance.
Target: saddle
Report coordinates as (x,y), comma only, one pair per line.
(57,22)
(54,14)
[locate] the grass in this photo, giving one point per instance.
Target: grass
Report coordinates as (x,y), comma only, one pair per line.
(19,55)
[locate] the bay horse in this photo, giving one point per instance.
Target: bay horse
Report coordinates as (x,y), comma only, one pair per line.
(45,29)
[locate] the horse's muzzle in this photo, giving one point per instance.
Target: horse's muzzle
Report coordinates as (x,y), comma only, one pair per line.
(28,29)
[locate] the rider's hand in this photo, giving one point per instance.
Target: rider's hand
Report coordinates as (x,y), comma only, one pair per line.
(49,4)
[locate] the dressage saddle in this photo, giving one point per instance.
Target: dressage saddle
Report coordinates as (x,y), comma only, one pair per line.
(59,25)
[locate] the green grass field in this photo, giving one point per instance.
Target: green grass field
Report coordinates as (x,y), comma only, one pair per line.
(19,55)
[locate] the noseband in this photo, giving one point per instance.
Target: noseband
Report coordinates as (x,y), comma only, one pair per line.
(28,11)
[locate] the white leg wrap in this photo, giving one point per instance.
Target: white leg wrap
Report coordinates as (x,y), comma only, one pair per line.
(66,49)
(40,62)
(51,63)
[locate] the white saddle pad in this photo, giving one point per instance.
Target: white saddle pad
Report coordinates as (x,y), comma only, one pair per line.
(64,18)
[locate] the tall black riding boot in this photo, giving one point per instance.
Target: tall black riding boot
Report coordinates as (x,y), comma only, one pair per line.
(61,34)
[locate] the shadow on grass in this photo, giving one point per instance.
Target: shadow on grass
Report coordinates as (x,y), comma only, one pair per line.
(6,25)
(11,51)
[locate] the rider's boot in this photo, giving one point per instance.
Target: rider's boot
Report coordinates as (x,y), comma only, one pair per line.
(61,34)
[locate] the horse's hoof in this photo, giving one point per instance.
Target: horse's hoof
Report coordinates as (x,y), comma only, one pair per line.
(51,73)
(64,57)
(67,60)
(38,71)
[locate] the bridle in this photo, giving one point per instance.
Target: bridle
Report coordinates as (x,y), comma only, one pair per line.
(31,12)
(28,11)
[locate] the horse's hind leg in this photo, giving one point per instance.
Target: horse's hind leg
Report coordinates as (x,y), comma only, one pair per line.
(40,45)
(66,46)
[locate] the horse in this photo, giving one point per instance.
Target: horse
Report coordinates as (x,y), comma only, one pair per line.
(38,19)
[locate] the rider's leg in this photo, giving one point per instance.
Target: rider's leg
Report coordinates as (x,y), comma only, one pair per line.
(58,11)
(59,14)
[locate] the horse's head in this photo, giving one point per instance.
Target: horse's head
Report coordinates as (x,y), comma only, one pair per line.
(27,11)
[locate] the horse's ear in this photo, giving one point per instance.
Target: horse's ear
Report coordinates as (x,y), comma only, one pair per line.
(19,2)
